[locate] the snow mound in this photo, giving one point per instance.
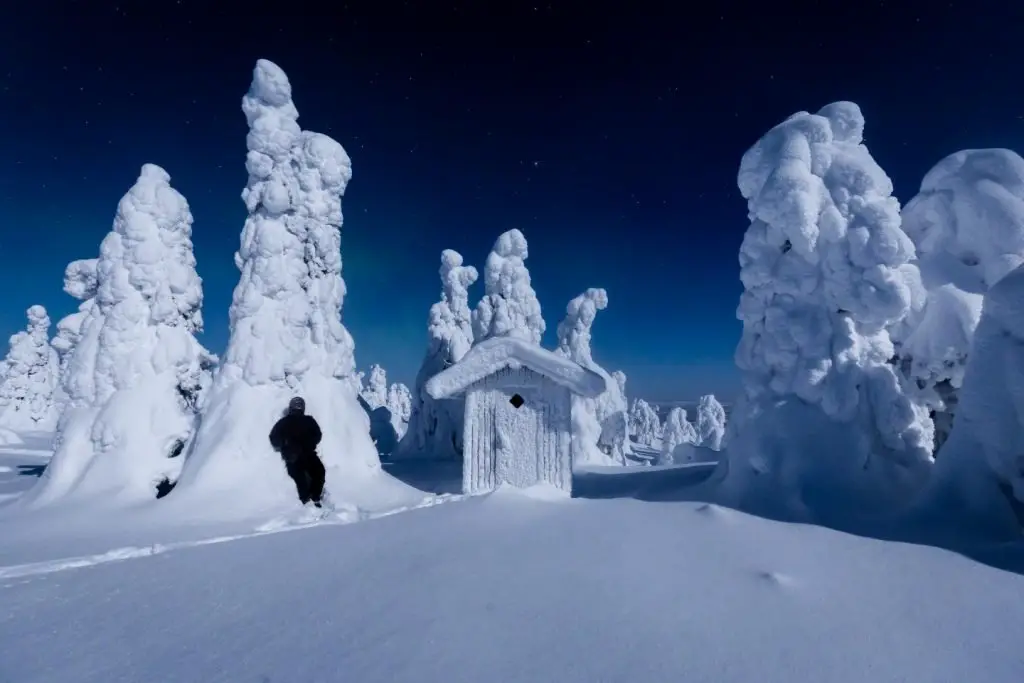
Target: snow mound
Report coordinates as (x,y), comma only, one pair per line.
(823,266)
(136,376)
(509,306)
(9,438)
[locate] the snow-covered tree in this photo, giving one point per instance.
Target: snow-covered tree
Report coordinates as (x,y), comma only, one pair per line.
(644,424)
(593,443)
(400,406)
(710,422)
(29,378)
(435,427)
(822,266)
(136,377)
(967,225)
(509,307)
(678,438)
(286,335)
(80,283)
(979,473)
(375,391)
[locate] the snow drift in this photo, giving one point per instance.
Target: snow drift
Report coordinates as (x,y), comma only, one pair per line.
(28,378)
(822,266)
(967,224)
(435,427)
(136,377)
(286,335)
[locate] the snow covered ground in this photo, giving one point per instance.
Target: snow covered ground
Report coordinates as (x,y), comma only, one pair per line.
(511,588)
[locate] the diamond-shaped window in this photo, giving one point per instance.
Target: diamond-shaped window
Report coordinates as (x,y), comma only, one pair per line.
(517,401)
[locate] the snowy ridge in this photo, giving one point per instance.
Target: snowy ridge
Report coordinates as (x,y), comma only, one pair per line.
(496,353)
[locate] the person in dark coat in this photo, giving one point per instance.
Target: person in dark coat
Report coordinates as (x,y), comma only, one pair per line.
(295,437)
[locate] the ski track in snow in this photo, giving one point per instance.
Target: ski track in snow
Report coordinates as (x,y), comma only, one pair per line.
(273,526)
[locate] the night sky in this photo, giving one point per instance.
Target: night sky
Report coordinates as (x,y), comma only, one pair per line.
(610,136)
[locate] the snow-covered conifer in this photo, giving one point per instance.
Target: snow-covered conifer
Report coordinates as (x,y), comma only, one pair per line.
(286,334)
(375,392)
(30,375)
(594,443)
(399,404)
(822,269)
(644,424)
(435,427)
(967,225)
(509,307)
(80,283)
(678,438)
(710,422)
(136,376)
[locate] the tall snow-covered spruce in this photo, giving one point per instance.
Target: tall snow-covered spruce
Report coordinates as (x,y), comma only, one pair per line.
(598,424)
(644,424)
(967,225)
(509,307)
(28,387)
(435,427)
(286,335)
(80,283)
(136,376)
(822,269)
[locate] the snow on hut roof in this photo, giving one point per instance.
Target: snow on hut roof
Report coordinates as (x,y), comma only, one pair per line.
(496,353)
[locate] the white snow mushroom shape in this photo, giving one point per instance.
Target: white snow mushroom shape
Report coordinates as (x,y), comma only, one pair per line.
(822,268)
(29,381)
(286,335)
(435,427)
(137,375)
(967,224)
(509,307)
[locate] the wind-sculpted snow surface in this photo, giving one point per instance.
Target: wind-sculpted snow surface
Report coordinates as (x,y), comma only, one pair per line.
(599,424)
(136,376)
(286,338)
(28,386)
(982,463)
(509,307)
(967,224)
(823,268)
(435,427)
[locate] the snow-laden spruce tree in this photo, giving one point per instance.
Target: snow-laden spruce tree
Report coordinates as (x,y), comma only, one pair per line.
(28,386)
(80,283)
(967,225)
(822,266)
(678,439)
(286,335)
(136,377)
(435,427)
(509,307)
(399,404)
(710,422)
(613,415)
(644,424)
(979,472)
(574,336)
(375,391)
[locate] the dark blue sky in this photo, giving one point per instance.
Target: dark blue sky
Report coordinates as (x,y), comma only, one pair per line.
(611,138)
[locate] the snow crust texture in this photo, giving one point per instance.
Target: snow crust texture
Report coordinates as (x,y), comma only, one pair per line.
(823,266)
(435,427)
(509,307)
(29,377)
(135,376)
